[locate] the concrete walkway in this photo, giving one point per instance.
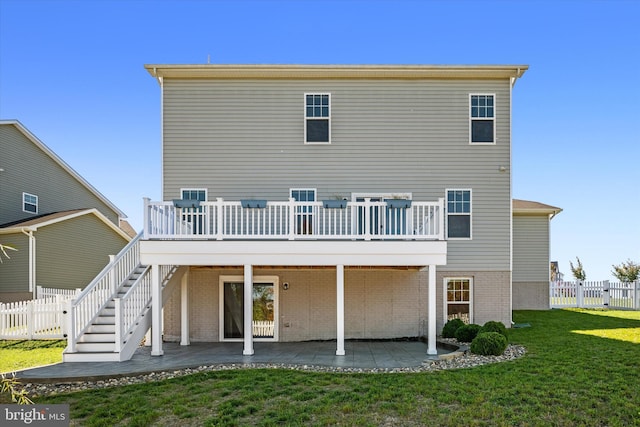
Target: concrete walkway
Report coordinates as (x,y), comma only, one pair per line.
(359,354)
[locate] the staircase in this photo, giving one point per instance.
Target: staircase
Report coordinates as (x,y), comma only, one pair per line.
(109,319)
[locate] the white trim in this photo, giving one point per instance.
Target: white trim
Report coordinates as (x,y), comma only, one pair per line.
(24,202)
(446,213)
(63,164)
(315,192)
(340,310)
(256,279)
(445,311)
(316,118)
(34,227)
(493,119)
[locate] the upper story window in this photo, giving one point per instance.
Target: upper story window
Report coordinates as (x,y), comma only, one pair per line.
(317,118)
(304,213)
(194,194)
(459,214)
(29,203)
(482,119)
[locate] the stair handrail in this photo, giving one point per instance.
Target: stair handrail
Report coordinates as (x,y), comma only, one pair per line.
(135,303)
(87,306)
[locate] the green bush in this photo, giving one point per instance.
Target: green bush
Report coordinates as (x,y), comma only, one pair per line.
(493,326)
(489,344)
(467,333)
(450,328)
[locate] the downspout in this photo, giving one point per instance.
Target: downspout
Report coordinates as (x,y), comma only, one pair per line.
(32,260)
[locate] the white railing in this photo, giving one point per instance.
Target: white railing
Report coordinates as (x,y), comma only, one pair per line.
(583,294)
(42,292)
(84,309)
(35,319)
(133,305)
(364,220)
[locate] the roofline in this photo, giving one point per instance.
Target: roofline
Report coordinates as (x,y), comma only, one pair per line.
(541,210)
(74,214)
(315,72)
(63,164)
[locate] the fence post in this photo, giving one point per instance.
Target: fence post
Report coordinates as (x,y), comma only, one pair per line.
(605,294)
(292,218)
(636,305)
(30,320)
(579,294)
(3,321)
(71,330)
(112,274)
(219,217)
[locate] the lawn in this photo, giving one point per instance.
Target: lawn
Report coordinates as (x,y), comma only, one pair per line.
(17,355)
(581,369)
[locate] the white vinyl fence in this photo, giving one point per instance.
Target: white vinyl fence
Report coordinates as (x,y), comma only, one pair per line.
(42,292)
(603,294)
(35,319)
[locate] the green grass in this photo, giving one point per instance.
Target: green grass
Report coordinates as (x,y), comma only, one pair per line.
(22,354)
(576,372)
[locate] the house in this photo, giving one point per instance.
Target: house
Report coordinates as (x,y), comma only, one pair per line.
(354,202)
(531,254)
(63,228)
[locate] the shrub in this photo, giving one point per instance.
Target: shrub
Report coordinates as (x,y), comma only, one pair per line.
(489,344)
(450,328)
(467,333)
(493,326)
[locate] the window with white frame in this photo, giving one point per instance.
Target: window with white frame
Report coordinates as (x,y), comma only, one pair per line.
(458,299)
(304,212)
(317,118)
(199,194)
(482,119)
(459,214)
(29,203)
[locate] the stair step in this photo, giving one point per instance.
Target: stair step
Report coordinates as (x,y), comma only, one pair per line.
(101,328)
(109,356)
(105,320)
(98,337)
(95,347)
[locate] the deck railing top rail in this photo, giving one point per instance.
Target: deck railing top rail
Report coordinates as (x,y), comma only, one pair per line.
(260,219)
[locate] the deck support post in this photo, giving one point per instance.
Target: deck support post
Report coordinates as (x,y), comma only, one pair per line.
(248,310)
(184,310)
(156,312)
(340,309)
(431,334)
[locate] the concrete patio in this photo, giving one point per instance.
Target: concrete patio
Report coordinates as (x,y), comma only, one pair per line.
(359,354)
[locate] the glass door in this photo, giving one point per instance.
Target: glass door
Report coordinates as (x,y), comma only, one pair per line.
(264,315)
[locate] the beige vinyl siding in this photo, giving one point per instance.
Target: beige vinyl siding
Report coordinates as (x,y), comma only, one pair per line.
(531,248)
(71,253)
(14,272)
(28,169)
(245,139)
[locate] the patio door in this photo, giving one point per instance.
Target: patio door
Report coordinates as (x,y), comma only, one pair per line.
(264,316)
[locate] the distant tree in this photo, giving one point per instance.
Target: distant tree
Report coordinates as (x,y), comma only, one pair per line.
(3,249)
(627,271)
(577,270)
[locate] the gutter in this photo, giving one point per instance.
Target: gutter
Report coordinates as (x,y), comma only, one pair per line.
(32,259)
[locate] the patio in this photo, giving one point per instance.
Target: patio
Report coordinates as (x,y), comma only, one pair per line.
(359,354)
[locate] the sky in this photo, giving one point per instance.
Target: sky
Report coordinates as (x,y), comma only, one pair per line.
(71,71)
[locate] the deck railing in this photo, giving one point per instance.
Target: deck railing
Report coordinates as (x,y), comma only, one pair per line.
(292,220)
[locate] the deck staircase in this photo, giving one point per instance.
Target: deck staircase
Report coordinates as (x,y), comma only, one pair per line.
(109,319)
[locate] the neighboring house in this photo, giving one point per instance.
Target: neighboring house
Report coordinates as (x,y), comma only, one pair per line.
(356,202)
(63,228)
(531,254)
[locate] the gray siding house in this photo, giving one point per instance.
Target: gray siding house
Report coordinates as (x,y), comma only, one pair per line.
(316,202)
(63,228)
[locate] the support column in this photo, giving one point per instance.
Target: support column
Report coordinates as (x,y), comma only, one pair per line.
(431,333)
(248,310)
(184,309)
(340,309)
(156,312)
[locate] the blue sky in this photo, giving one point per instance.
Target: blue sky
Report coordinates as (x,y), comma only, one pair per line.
(72,73)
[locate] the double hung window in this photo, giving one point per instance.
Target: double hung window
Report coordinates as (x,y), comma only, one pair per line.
(195,216)
(458,299)
(459,214)
(482,119)
(29,203)
(317,122)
